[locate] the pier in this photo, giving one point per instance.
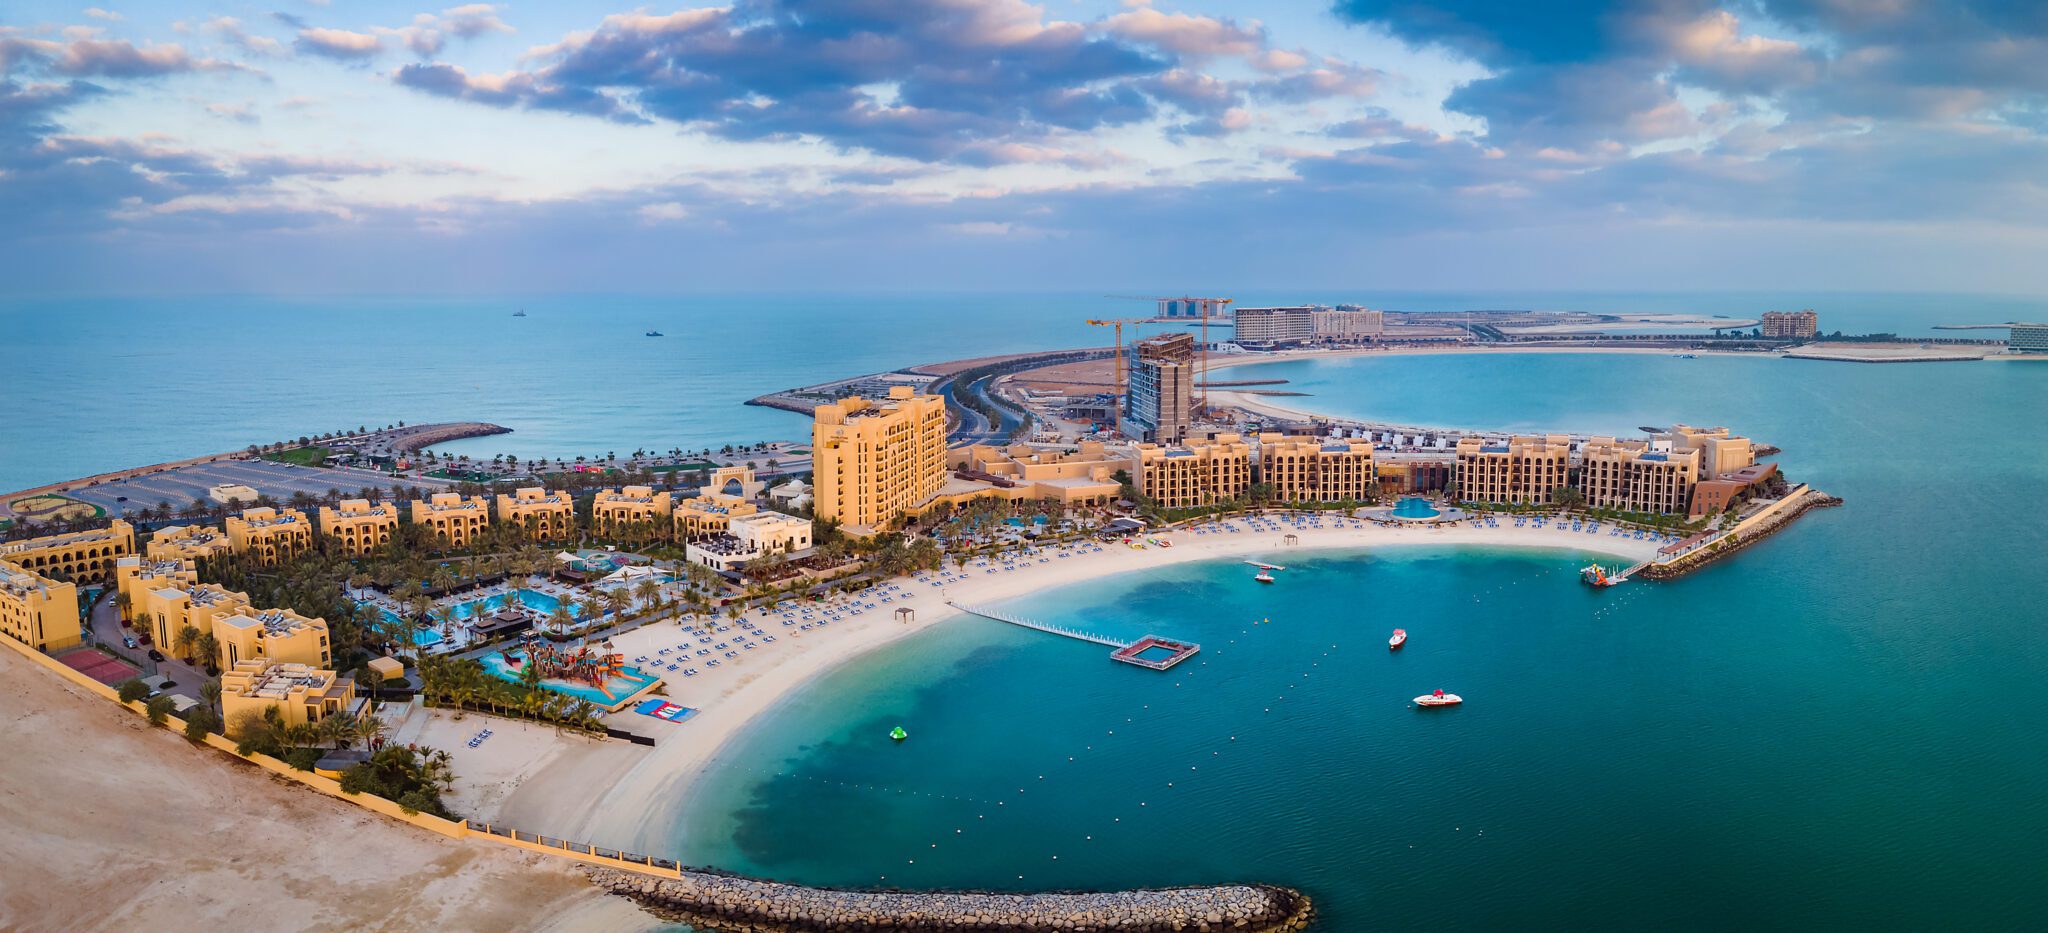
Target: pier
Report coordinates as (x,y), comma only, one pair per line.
(1129,652)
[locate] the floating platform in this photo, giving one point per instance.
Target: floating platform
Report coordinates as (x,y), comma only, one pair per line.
(1155,652)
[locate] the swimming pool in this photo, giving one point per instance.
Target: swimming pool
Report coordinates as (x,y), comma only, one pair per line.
(531,599)
(426,637)
(1414,507)
(618,690)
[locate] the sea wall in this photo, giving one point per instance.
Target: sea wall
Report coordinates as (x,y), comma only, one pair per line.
(742,905)
(1752,529)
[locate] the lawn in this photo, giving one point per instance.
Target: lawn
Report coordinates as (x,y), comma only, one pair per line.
(692,466)
(302,456)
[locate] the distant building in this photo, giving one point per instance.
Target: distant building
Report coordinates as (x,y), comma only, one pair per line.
(270,535)
(874,461)
(1201,473)
(1791,324)
(1348,325)
(231,493)
(1160,395)
(2028,338)
(76,556)
(456,522)
(1194,308)
(1519,470)
(37,611)
(1317,469)
(1637,476)
(1267,328)
(357,527)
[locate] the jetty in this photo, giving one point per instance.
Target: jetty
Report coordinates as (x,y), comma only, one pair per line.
(1145,652)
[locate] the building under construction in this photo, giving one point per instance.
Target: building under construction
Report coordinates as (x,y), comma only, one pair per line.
(1160,395)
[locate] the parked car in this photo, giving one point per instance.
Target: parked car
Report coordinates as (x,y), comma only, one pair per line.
(130,642)
(156,656)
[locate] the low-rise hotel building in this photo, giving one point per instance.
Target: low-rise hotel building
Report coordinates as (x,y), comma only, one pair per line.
(270,535)
(1637,476)
(166,610)
(1519,471)
(135,576)
(454,521)
(1721,452)
(357,528)
(750,537)
(301,693)
(77,556)
(612,510)
(874,462)
(37,611)
(272,635)
(1082,478)
(1315,469)
(1200,473)
(186,542)
(542,515)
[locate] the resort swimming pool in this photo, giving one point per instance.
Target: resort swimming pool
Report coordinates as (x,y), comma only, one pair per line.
(617,690)
(531,599)
(1414,507)
(426,637)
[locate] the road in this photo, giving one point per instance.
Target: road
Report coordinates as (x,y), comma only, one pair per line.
(974,427)
(107,630)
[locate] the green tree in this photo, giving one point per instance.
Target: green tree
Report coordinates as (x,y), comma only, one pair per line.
(158,709)
(199,721)
(132,690)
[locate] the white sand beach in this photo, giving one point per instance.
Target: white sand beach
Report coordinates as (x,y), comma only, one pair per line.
(634,806)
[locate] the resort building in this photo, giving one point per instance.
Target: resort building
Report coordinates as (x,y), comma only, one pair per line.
(1161,389)
(1413,473)
(1520,470)
(230,493)
(357,527)
(455,521)
(1198,474)
(1082,477)
(1194,309)
(165,611)
(1721,453)
(1315,469)
(1715,495)
(2027,338)
(271,535)
(135,576)
(543,515)
(301,694)
(187,542)
(76,557)
(1349,325)
(708,514)
(875,461)
(271,634)
(1637,476)
(1791,324)
(612,510)
(37,611)
(750,537)
(1275,327)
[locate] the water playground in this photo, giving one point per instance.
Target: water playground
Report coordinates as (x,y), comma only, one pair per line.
(601,678)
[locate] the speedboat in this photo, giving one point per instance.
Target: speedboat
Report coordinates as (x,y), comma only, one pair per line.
(654,333)
(1439,698)
(1400,638)
(1264,577)
(519,313)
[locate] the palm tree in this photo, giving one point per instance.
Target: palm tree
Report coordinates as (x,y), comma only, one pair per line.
(210,691)
(183,642)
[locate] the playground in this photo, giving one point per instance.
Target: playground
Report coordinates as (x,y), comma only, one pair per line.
(53,508)
(594,675)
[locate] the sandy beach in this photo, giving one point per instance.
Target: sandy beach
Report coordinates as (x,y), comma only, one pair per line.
(635,806)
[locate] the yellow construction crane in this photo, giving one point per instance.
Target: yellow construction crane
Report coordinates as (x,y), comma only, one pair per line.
(1202,378)
(1119,323)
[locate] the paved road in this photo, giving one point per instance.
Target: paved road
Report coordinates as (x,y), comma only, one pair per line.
(180,485)
(106,628)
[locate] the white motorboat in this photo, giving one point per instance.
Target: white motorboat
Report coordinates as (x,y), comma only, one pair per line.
(1439,698)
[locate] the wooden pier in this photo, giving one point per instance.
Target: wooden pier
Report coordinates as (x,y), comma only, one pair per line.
(1128,652)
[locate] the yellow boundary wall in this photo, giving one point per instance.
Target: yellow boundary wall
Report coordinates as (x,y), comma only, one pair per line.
(453,829)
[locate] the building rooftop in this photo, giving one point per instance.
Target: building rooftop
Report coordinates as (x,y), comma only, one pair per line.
(114,532)
(278,680)
(274,622)
(18,582)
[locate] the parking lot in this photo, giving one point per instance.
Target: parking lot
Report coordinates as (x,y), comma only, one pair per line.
(180,485)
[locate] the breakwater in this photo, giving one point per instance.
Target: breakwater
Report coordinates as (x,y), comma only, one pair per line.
(1742,538)
(743,905)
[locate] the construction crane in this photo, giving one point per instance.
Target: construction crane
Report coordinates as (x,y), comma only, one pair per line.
(1119,323)
(1202,380)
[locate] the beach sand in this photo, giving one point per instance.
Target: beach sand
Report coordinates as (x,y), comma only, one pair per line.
(636,807)
(115,825)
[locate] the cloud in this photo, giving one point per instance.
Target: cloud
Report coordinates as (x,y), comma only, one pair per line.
(339,44)
(231,29)
(239,113)
(103,58)
(663,212)
(1190,35)
(472,20)
(108,15)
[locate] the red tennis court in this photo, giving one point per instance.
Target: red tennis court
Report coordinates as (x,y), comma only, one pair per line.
(99,666)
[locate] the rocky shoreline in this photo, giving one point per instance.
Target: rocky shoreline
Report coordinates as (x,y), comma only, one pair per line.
(1812,500)
(744,905)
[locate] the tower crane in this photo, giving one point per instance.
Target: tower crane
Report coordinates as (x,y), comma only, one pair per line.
(1119,323)
(1202,379)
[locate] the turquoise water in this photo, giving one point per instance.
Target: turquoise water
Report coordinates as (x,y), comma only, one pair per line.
(575,377)
(630,681)
(1412,507)
(531,599)
(1841,728)
(426,637)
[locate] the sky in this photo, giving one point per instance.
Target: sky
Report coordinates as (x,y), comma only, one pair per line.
(297,147)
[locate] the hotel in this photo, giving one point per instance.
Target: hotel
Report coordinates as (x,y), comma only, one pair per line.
(186,542)
(77,557)
(273,635)
(1161,389)
(301,694)
(750,537)
(613,510)
(1201,473)
(37,611)
(541,514)
(1083,477)
(455,521)
(1637,476)
(135,577)
(1721,453)
(1275,327)
(876,461)
(271,535)
(1521,470)
(357,528)
(168,608)
(1313,469)
(1349,325)
(1791,324)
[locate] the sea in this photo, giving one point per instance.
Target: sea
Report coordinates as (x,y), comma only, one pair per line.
(1840,728)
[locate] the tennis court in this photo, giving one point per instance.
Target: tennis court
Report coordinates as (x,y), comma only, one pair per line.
(99,666)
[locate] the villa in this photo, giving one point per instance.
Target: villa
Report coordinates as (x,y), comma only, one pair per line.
(187,542)
(542,514)
(357,527)
(612,510)
(300,693)
(272,535)
(455,521)
(271,634)
(78,556)
(36,610)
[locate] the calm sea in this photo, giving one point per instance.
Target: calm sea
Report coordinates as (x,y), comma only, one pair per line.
(1842,728)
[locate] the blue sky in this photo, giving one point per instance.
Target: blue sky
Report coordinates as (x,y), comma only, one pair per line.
(378,147)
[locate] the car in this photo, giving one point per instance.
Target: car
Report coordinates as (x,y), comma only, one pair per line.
(130,642)
(120,498)
(156,656)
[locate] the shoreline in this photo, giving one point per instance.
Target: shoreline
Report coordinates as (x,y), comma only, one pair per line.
(639,807)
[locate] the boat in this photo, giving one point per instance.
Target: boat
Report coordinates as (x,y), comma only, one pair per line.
(654,333)
(1596,575)
(519,313)
(898,734)
(1439,698)
(1162,542)
(1264,577)
(1400,638)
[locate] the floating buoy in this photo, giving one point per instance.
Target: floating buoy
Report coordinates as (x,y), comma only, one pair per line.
(898,734)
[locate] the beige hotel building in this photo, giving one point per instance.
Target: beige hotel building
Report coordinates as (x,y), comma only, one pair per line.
(1200,473)
(301,693)
(37,611)
(77,557)
(541,514)
(272,535)
(1635,476)
(1521,470)
(874,462)
(357,528)
(612,510)
(455,521)
(185,542)
(1317,469)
